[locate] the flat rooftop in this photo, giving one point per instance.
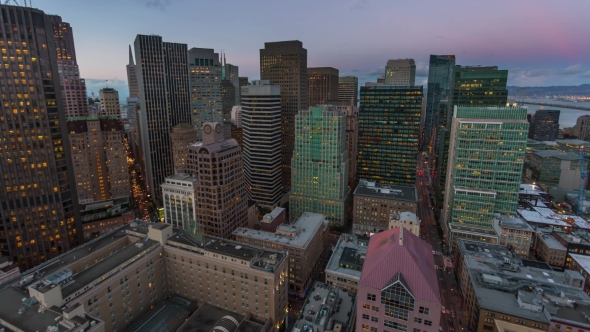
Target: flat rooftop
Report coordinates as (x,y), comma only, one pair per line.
(209,316)
(512,222)
(552,242)
(325,306)
(531,189)
(468,229)
(353,245)
(583,261)
(304,229)
(388,191)
(576,142)
(557,154)
(541,215)
(573,238)
(180,177)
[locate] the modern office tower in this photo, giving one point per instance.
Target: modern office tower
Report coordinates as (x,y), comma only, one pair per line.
(182,135)
(348,89)
(164,94)
(320,165)
(322,85)
(231,74)
(400,72)
(132,103)
(109,102)
(440,74)
(544,125)
(132,77)
(302,240)
(470,86)
(38,210)
(73,90)
(99,158)
(260,120)
(217,162)
(140,258)
(180,201)
(389,133)
(243,81)
(236,114)
(398,286)
(285,64)
(486,157)
(227,95)
(352,130)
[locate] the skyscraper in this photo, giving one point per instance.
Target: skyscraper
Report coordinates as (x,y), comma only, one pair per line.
(352,136)
(260,120)
(109,102)
(285,64)
(205,85)
(389,133)
(228,95)
(400,72)
(132,77)
(217,163)
(231,73)
(182,135)
(348,89)
(545,125)
(440,74)
(38,211)
(163,81)
(322,85)
(320,165)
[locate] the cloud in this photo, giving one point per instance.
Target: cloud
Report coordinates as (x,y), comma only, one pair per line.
(379,71)
(543,76)
(95,84)
(359,5)
(159,4)
(573,69)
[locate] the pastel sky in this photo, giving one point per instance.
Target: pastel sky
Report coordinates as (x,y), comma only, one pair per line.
(541,42)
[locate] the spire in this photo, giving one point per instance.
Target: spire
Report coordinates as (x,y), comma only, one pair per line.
(131,63)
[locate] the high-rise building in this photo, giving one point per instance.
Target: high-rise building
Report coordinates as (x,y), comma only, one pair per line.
(132,77)
(109,102)
(228,95)
(486,158)
(398,287)
(99,158)
(243,81)
(348,89)
(285,64)
(470,86)
(205,85)
(231,74)
(260,120)
(352,131)
(545,125)
(389,133)
(440,74)
(164,90)
(182,135)
(180,201)
(320,165)
(236,115)
(400,72)
(38,210)
(322,83)
(582,127)
(217,163)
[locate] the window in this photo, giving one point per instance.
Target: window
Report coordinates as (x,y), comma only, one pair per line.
(427,323)
(376,320)
(365,316)
(373,329)
(424,310)
(394,325)
(366,306)
(568,329)
(371,297)
(522,322)
(375,309)
(417,330)
(365,327)
(417,320)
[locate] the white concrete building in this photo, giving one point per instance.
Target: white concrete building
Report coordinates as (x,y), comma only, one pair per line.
(236,116)
(407,220)
(179,200)
(109,102)
(400,72)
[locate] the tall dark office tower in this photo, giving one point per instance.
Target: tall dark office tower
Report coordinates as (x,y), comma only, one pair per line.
(132,77)
(205,82)
(38,213)
(162,78)
(285,64)
(348,89)
(440,73)
(544,125)
(389,133)
(64,40)
(322,85)
(470,86)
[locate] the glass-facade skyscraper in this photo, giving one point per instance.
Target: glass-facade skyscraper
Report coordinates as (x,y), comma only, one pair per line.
(320,165)
(486,158)
(389,133)
(440,73)
(206,89)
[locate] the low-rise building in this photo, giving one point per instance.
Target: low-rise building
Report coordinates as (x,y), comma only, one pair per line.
(7,269)
(581,264)
(215,318)
(549,250)
(303,240)
(500,293)
(103,217)
(179,192)
(576,242)
(346,263)
(374,203)
(327,308)
(407,220)
(514,233)
(272,220)
(552,168)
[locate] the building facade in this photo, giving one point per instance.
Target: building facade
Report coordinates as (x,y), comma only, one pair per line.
(348,89)
(260,120)
(322,83)
(320,165)
(582,127)
(182,135)
(132,77)
(231,74)
(346,263)
(549,250)
(352,136)
(553,168)
(400,72)
(545,125)
(515,234)
(73,89)
(109,102)
(408,220)
(389,133)
(398,288)
(236,115)
(180,203)
(440,74)
(222,201)
(284,64)
(486,158)
(375,203)
(164,98)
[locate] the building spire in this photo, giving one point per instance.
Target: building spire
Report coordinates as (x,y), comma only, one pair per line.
(131,63)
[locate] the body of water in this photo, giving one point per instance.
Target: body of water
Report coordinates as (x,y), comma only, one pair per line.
(567,117)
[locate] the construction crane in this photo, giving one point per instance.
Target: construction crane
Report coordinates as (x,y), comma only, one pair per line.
(582,186)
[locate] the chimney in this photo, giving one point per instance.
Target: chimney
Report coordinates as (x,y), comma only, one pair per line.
(401,236)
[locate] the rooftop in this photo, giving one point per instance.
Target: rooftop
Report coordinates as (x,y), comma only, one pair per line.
(582,260)
(212,318)
(355,246)
(542,215)
(557,154)
(574,237)
(298,234)
(180,177)
(551,242)
(531,189)
(327,308)
(374,189)
(512,222)
(576,142)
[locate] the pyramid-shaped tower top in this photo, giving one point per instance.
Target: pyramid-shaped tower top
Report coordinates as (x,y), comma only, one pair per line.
(131,62)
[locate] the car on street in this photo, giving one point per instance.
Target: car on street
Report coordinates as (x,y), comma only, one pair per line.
(453,313)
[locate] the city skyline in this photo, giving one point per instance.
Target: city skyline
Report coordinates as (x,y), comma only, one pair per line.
(552,53)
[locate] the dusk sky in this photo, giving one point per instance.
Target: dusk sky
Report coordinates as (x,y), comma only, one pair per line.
(541,42)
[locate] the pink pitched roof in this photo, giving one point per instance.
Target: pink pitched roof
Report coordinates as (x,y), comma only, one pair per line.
(414,259)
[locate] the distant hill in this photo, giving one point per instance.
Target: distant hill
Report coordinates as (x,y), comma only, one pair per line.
(536,91)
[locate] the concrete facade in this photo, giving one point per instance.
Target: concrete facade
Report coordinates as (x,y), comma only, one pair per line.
(182,135)
(400,72)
